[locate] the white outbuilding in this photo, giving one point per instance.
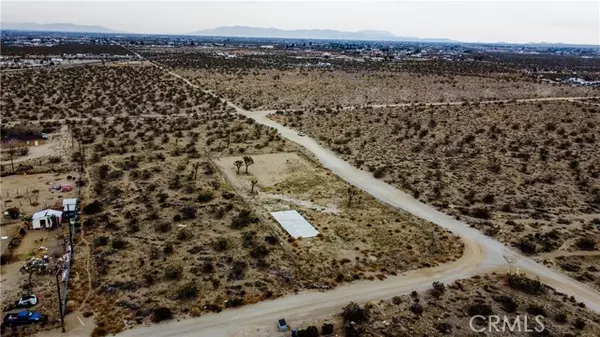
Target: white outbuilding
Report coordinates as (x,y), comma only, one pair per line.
(46,219)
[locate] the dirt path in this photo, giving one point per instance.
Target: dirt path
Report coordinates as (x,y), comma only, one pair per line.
(482,255)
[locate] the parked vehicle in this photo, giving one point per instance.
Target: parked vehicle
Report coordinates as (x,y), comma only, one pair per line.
(282,325)
(24,317)
(27,301)
(301,134)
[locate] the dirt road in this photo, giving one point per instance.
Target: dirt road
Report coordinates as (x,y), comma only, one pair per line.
(482,255)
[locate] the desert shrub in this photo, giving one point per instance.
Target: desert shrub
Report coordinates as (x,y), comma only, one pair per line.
(527,246)
(488,199)
(327,329)
(238,269)
(187,291)
(311,331)
(481,213)
(481,309)
(271,239)
(162,226)
(560,318)
(221,244)
(526,285)
(118,243)
(587,243)
(444,328)
(173,272)
(397,300)
(380,172)
(439,286)
(205,196)
(92,208)
(243,219)
(508,303)
(535,309)
(579,324)
(188,212)
(183,234)
(168,249)
(354,313)
(101,240)
(416,308)
(259,251)
(234,302)
(161,314)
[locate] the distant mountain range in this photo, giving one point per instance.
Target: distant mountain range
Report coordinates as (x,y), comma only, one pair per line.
(56,27)
(325,34)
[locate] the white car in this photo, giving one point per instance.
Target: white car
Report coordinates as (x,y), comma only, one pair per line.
(301,134)
(27,301)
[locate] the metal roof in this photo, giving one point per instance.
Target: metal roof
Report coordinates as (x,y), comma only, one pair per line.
(45,213)
(295,224)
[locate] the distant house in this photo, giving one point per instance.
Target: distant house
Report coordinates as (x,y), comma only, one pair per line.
(69,208)
(48,218)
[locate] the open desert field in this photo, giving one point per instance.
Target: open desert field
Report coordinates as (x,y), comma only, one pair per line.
(169,229)
(525,173)
(97,91)
(284,81)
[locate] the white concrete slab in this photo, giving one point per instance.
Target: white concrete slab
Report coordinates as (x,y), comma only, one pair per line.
(295,224)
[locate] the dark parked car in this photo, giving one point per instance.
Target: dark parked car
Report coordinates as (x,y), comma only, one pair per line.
(282,325)
(24,317)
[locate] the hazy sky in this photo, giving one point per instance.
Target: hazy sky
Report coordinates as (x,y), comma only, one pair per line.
(485,21)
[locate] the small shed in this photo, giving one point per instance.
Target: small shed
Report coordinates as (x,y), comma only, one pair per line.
(69,208)
(295,224)
(48,218)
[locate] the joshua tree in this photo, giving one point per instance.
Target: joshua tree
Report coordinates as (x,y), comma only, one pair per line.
(238,164)
(248,161)
(352,192)
(253,182)
(195,166)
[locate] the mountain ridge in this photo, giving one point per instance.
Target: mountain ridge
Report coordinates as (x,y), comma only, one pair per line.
(56,27)
(325,34)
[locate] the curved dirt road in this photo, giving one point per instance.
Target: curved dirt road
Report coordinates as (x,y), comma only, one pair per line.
(482,255)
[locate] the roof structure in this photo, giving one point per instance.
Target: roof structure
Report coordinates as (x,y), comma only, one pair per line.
(70,204)
(295,224)
(45,213)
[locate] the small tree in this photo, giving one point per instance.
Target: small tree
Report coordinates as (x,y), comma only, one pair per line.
(248,161)
(253,182)
(12,147)
(238,164)
(352,192)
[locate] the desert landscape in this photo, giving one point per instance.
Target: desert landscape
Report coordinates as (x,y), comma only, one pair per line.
(447,310)
(471,168)
(535,190)
(280,81)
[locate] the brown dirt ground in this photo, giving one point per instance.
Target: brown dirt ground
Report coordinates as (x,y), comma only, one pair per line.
(450,312)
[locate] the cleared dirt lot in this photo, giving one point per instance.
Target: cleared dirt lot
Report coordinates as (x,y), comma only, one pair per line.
(31,193)
(365,237)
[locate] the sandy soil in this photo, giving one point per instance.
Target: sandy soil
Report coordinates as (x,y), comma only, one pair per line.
(18,190)
(448,312)
(305,88)
(531,189)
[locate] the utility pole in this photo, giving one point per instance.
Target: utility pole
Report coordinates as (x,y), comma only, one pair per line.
(60,306)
